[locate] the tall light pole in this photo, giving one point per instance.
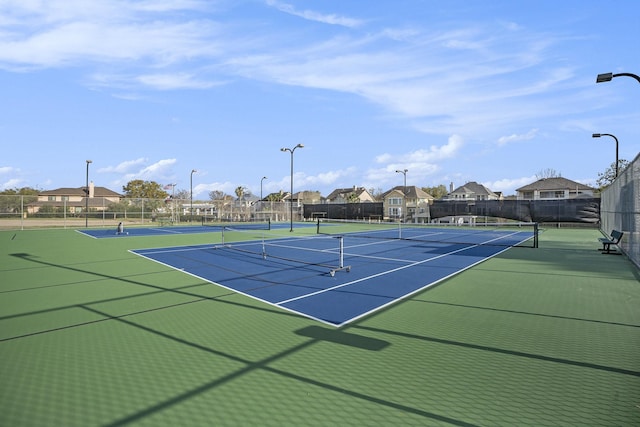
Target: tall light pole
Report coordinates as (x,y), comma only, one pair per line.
(263,178)
(404,192)
(291,150)
(86,198)
(598,135)
(173,202)
(607,77)
(191,197)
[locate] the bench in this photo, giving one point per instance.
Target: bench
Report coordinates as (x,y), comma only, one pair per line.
(608,241)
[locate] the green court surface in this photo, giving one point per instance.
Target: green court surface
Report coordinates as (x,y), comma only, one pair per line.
(93,335)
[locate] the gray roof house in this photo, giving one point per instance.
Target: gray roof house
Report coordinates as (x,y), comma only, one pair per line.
(554,188)
(471,191)
(349,195)
(410,204)
(74,198)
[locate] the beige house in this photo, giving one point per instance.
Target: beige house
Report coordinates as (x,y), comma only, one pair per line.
(469,192)
(554,188)
(353,194)
(410,204)
(73,200)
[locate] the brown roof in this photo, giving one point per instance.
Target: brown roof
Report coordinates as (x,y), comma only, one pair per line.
(411,192)
(97,192)
(345,192)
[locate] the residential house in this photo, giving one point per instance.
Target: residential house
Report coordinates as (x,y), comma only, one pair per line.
(74,200)
(471,191)
(554,188)
(408,204)
(353,194)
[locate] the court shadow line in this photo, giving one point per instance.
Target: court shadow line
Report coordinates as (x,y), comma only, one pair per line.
(527,313)
(251,366)
(502,351)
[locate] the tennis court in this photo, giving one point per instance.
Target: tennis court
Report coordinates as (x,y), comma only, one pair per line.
(345,273)
(92,334)
(168,230)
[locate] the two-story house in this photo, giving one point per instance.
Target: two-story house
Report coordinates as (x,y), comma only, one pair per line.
(408,204)
(74,200)
(554,188)
(353,194)
(471,191)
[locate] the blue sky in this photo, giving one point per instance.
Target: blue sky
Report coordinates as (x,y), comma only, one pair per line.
(487,91)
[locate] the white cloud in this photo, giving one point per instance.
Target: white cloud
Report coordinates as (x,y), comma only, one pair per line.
(310,15)
(509,185)
(11,183)
(124,167)
(159,171)
(173,81)
(8,169)
(434,153)
(54,33)
(503,140)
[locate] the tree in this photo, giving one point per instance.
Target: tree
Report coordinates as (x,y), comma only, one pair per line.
(144,190)
(376,193)
(437,192)
(353,198)
(182,195)
(608,176)
(218,197)
(24,191)
(14,199)
(276,197)
(240,191)
(548,173)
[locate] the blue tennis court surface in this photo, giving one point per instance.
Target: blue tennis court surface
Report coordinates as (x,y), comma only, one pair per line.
(304,275)
(103,233)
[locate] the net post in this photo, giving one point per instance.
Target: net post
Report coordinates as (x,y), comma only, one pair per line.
(341,262)
(535,234)
(268,223)
(318,226)
(222,231)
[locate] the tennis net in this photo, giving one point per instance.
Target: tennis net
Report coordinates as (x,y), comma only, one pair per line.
(510,234)
(238,225)
(324,252)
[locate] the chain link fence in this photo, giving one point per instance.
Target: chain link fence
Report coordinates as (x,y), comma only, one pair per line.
(620,209)
(25,212)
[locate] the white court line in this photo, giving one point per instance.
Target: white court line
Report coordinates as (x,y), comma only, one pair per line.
(373,276)
(413,264)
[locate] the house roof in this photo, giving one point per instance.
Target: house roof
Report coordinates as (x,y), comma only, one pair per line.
(411,192)
(97,192)
(473,187)
(346,192)
(554,184)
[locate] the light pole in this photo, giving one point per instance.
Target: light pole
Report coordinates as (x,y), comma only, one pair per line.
(86,198)
(598,135)
(404,192)
(291,150)
(606,77)
(263,178)
(191,197)
(173,203)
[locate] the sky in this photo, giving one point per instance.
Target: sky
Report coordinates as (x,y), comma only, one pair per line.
(496,92)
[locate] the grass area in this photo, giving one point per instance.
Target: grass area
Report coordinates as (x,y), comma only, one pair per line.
(91,334)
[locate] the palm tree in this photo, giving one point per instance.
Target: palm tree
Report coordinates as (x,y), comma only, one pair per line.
(240,192)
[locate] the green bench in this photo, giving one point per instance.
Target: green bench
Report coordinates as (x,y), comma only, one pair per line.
(608,241)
